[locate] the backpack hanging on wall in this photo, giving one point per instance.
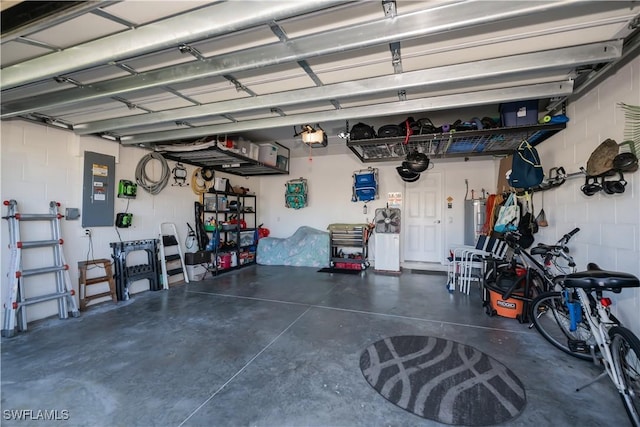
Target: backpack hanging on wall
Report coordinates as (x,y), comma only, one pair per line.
(365,185)
(526,170)
(295,195)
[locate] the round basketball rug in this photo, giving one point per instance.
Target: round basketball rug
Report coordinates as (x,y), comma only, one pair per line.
(443,380)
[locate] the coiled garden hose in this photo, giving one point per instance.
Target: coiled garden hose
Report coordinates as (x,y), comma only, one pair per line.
(143,180)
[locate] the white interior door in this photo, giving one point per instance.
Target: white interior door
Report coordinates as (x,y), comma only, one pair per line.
(422,227)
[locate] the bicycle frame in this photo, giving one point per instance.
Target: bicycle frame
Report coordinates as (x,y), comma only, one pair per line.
(541,269)
(600,323)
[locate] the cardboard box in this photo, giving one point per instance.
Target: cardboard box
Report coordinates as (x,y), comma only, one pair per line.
(519,113)
(268,154)
(505,166)
(246,257)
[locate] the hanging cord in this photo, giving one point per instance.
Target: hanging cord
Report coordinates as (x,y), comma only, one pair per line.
(198,184)
(153,187)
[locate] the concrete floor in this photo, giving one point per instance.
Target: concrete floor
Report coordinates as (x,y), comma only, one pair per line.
(274,346)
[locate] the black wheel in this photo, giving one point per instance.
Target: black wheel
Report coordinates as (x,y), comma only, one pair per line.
(625,348)
(550,316)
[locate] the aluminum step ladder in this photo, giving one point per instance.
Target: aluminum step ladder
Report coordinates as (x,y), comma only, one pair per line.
(15,315)
(171,256)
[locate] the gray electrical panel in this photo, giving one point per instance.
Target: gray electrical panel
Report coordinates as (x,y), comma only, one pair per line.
(98,190)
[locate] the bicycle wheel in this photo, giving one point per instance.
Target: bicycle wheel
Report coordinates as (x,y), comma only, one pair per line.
(625,348)
(550,316)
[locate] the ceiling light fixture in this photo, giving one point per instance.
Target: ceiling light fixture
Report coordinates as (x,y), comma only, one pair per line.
(109,136)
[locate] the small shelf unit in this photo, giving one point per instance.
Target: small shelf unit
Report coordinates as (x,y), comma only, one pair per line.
(235,242)
(253,160)
(349,246)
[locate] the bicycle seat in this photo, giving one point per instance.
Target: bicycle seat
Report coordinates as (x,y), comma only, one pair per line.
(542,249)
(596,279)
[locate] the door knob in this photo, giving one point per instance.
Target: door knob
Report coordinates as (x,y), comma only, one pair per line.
(437,221)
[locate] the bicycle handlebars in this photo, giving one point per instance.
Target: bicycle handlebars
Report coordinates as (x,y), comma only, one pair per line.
(568,236)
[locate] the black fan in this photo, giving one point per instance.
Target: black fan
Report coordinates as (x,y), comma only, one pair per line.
(387,220)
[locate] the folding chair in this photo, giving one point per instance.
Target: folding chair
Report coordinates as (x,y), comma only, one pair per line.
(473,263)
(456,258)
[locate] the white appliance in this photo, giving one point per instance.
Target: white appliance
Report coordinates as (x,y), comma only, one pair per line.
(387,239)
(474,217)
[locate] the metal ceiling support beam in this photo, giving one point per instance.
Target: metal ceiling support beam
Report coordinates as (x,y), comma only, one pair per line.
(200,24)
(389,8)
(499,67)
(239,86)
(37,43)
(307,69)
(185,48)
(492,96)
(629,51)
(396,57)
(65,14)
(455,16)
(103,14)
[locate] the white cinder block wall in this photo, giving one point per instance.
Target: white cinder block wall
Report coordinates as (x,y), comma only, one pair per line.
(609,224)
(330,187)
(40,164)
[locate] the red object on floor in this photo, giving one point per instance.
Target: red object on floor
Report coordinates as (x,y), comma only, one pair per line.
(348,265)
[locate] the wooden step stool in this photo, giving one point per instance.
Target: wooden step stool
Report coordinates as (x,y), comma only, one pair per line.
(83,281)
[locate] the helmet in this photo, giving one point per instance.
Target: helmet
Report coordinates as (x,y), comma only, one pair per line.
(407,174)
(627,162)
(417,162)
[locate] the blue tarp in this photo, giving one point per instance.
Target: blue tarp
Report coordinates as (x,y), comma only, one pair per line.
(307,247)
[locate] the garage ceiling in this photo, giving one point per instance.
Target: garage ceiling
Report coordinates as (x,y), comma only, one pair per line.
(161,74)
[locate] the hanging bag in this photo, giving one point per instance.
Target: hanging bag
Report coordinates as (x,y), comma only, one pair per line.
(509,216)
(526,169)
(295,195)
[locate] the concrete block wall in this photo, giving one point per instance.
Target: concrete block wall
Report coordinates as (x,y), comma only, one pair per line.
(42,163)
(609,224)
(330,188)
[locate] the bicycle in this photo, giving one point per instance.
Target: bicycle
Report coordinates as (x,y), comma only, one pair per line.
(525,275)
(576,322)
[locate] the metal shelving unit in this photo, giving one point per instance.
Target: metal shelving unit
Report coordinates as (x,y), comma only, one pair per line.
(244,248)
(231,162)
(485,142)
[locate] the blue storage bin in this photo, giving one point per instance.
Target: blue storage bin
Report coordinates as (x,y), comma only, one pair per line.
(519,113)
(366,194)
(365,179)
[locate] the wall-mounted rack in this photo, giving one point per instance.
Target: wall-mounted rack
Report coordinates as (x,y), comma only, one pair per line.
(485,142)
